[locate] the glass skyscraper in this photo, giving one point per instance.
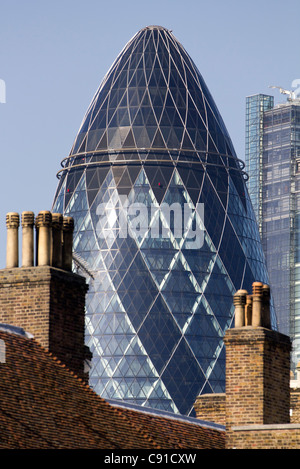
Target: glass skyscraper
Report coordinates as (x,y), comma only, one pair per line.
(256,105)
(160,286)
(279,167)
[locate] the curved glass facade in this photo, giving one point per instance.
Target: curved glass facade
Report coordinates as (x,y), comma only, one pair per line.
(158,303)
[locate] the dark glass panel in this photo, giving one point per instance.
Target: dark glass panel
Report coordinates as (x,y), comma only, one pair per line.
(102,142)
(183,377)
(203,338)
(158,141)
(217,375)
(133,173)
(71,183)
(239,183)
(80,143)
(159,334)
(93,140)
(137,117)
(248,278)
(60,184)
(214,212)
(159,178)
(232,255)
(141,137)
(219,179)
(129,141)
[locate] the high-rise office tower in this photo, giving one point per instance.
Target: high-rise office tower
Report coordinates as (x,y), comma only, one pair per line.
(275,190)
(256,105)
(159,300)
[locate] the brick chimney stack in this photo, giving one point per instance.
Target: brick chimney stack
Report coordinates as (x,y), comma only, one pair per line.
(46,299)
(257,366)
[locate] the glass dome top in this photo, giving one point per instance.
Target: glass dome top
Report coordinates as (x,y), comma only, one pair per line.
(154,98)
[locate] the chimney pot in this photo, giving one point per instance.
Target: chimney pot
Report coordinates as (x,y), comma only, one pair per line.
(257,303)
(12,244)
(239,301)
(27,219)
(12,220)
(68,224)
(43,225)
(27,239)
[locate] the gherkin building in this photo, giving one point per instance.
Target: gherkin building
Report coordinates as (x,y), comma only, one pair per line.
(158,303)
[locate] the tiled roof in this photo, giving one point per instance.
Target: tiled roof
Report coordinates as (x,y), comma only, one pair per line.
(175,431)
(44,405)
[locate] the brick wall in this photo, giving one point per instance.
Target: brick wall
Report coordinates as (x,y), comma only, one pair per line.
(265,437)
(295,405)
(49,303)
(257,385)
(211,407)
(257,376)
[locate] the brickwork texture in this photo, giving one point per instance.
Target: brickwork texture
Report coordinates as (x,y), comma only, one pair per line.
(49,303)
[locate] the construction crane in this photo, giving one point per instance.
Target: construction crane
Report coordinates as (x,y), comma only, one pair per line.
(291,94)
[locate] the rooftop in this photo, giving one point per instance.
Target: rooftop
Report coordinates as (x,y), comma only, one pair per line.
(44,405)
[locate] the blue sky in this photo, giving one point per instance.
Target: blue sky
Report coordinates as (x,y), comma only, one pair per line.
(53,56)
